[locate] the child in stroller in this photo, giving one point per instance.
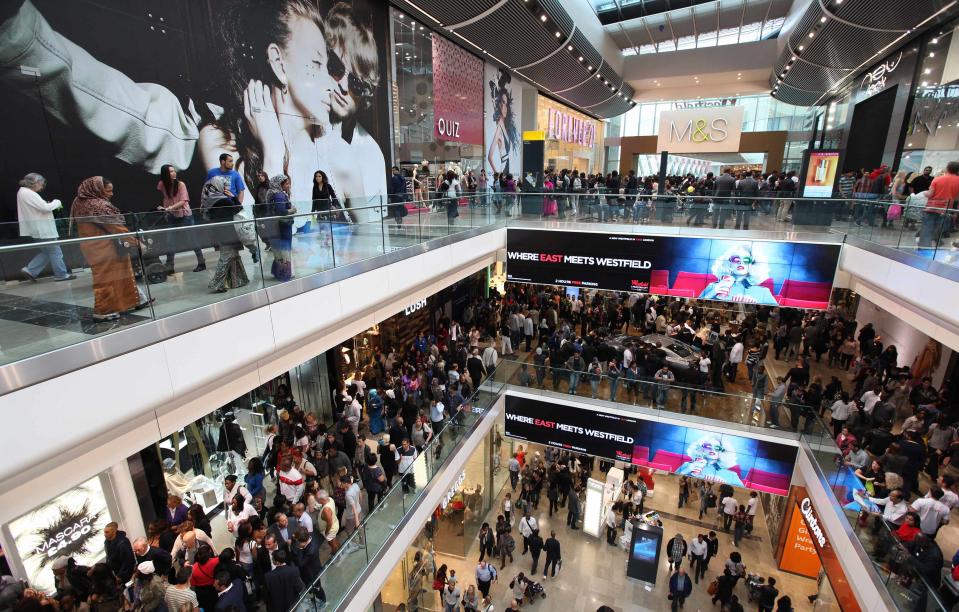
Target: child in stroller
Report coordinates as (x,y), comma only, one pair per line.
(523,587)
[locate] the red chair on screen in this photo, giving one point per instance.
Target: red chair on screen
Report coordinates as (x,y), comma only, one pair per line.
(803,294)
(668,461)
(691,284)
(768,482)
(659,282)
(641,455)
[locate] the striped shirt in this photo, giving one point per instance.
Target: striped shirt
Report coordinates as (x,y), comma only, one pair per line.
(175,598)
(846,185)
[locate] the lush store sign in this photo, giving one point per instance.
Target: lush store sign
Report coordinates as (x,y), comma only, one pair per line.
(567,127)
(700,130)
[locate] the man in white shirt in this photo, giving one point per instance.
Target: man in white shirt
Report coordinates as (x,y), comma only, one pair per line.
(949,497)
(610,526)
(697,550)
(869,400)
(752,506)
(627,357)
(894,507)
(527,525)
(735,358)
(730,505)
(932,512)
(292,483)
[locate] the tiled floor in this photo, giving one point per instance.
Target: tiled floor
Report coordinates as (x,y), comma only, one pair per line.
(594,573)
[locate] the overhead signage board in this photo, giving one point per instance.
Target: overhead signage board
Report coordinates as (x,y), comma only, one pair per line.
(700,130)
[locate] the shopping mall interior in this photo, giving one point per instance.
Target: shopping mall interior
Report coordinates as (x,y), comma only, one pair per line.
(479,306)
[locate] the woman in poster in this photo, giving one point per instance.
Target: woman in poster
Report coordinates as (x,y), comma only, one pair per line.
(288,106)
(710,461)
(505,138)
(739,277)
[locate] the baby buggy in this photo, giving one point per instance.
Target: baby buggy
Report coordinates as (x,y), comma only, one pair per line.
(534,590)
(526,589)
(754,586)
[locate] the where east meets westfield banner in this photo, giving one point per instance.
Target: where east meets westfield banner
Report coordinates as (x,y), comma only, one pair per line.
(798,275)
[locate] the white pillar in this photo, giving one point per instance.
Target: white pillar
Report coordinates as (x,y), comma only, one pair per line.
(125,507)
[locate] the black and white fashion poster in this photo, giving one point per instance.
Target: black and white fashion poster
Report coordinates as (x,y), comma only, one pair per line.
(119,89)
(503,125)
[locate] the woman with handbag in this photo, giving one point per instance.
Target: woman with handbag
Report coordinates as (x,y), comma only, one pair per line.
(282,239)
(221,208)
(114,287)
(176,205)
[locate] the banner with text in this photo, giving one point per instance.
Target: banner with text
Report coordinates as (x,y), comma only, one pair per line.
(798,275)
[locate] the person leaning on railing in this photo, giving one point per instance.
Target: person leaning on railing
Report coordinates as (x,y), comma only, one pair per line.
(942,195)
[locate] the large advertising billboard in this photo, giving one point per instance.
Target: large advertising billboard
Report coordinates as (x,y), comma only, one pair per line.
(457,93)
(120,89)
(734,460)
(503,110)
(70,525)
(798,275)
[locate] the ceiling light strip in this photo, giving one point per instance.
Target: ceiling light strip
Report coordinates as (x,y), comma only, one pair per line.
(584,81)
(476,18)
(555,51)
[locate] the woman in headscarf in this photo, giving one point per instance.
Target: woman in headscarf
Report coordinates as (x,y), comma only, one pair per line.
(220,208)
(114,287)
(282,240)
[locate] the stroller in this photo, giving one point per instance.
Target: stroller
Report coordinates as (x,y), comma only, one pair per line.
(531,590)
(754,586)
(148,265)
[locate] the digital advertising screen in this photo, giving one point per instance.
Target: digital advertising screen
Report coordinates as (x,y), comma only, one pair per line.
(821,171)
(735,460)
(644,549)
(797,275)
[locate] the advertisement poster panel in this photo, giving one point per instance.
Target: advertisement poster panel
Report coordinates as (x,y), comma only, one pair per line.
(457,93)
(734,460)
(644,551)
(799,552)
(798,275)
(286,87)
(820,174)
(69,525)
(503,109)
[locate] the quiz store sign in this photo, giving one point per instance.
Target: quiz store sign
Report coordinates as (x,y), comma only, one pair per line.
(70,525)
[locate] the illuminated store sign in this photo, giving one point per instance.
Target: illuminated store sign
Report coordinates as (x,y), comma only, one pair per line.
(70,525)
(414,307)
(457,484)
(700,130)
(570,128)
(875,80)
(805,506)
(704,103)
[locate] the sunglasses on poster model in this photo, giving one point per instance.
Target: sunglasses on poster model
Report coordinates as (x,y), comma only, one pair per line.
(737,259)
(337,69)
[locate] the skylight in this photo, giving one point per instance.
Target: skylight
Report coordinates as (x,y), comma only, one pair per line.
(748,32)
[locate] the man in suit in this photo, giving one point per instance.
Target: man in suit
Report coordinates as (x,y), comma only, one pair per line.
(749,190)
(725,183)
(162,561)
(283,584)
(229,592)
(306,556)
(282,530)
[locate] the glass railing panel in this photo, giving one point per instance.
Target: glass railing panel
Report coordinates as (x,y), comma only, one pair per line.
(46,314)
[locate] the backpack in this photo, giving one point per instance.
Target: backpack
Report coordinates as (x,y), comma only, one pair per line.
(577,184)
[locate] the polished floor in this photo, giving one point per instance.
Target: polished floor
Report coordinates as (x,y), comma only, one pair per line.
(594,573)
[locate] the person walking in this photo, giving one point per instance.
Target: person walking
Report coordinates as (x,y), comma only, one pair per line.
(36,220)
(527,525)
(724,588)
(553,555)
(712,547)
(730,505)
(452,595)
(675,551)
(683,490)
(486,541)
(485,576)
(572,512)
(697,556)
(680,587)
(767,595)
(740,520)
(535,548)
(611,525)
(176,204)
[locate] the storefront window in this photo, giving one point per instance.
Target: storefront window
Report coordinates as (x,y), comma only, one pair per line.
(426,66)
(932,136)
(573,140)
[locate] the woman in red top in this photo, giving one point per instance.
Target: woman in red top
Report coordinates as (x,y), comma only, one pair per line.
(204,568)
(909,528)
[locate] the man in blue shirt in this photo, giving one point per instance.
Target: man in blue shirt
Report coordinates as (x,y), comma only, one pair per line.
(237,188)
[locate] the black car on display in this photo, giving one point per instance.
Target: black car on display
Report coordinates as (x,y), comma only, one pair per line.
(682,358)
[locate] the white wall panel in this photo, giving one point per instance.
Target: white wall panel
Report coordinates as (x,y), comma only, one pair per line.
(321,305)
